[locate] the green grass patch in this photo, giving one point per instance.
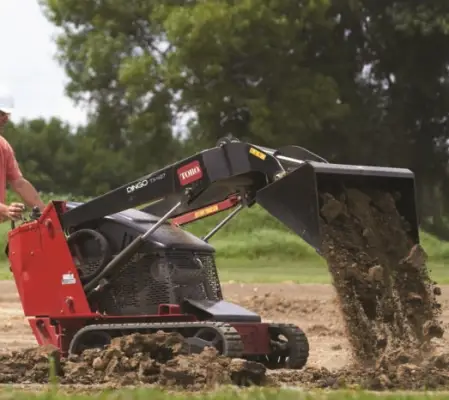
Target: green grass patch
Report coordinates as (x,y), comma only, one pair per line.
(255,247)
(306,271)
(273,271)
(224,394)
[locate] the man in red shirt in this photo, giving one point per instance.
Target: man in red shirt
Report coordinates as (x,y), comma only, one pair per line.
(10,171)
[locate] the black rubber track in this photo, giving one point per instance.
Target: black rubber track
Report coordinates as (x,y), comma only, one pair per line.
(233,345)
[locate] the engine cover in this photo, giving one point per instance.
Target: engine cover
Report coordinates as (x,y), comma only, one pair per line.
(172,266)
(121,228)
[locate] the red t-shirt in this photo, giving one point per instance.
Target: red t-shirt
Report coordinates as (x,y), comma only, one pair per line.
(9,168)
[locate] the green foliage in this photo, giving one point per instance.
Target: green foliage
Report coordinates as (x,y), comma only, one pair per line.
(357,81)
(255,234)
(56,159)
(424,18)
(272,72)
(131,106)
(247,63)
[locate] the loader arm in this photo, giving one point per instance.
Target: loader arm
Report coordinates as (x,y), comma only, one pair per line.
(213,175)
(225,189)
(288,182)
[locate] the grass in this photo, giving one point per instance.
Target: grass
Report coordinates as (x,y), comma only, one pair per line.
(313,271)
(273,271)
(255,247)
(223,394)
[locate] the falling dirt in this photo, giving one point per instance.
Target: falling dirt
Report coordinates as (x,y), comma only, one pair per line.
(158,359)
(387,299)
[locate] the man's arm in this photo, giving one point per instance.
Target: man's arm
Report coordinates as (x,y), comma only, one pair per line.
(19,184)
(27,192)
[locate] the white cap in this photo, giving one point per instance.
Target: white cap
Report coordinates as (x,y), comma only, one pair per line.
(6,100)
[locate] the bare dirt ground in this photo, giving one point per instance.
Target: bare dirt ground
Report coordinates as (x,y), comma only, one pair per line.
(311,307)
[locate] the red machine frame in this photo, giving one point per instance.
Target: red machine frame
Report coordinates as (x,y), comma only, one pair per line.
(56,305)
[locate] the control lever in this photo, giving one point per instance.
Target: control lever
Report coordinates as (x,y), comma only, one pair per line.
(35,213)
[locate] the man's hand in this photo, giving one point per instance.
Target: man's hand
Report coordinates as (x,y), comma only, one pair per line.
(14,211)
(27,192)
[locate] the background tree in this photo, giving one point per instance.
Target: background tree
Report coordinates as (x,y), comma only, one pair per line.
(358,81)
(58,160)
(98,39)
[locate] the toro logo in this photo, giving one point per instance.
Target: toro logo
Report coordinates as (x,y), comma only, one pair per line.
(189,173)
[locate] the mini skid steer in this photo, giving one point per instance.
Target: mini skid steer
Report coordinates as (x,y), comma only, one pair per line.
(89,272)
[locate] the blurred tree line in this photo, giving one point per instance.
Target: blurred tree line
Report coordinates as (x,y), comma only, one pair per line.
(356,81)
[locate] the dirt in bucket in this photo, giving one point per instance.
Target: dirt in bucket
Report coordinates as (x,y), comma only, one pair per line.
(386,296)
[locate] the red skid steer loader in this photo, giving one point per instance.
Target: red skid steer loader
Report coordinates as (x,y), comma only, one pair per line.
(89,272)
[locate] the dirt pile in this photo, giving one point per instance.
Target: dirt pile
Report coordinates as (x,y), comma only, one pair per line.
(397,371)
(386,296)
(27,366)
(157,359)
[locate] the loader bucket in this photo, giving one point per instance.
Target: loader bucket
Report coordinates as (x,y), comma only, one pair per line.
(295,198)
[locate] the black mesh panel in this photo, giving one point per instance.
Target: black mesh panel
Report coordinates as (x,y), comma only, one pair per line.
(149,280)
